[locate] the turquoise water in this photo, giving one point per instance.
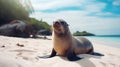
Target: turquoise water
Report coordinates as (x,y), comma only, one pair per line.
(113,41)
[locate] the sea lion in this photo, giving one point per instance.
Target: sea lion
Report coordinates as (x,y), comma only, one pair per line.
(64,44)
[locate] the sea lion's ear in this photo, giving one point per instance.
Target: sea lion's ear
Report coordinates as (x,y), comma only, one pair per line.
(67,24)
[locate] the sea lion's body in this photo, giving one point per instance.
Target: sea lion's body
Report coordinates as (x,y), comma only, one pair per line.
(67,43)
(64,44)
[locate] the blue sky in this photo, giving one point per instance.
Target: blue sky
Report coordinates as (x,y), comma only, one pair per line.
(100,17)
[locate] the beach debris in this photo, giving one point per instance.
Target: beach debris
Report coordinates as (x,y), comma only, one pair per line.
(25,58)
(3,46)
(20,45)
(19,54)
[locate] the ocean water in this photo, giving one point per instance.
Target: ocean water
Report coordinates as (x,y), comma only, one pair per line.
(113,41)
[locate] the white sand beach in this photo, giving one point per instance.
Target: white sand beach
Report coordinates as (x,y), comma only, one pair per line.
(25,52)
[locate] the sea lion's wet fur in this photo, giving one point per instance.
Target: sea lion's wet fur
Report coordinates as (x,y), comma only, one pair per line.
(65,44)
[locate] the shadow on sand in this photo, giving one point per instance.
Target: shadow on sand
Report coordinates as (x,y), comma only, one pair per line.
(86,62)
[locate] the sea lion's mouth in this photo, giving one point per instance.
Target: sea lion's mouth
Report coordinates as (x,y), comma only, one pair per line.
(62,34)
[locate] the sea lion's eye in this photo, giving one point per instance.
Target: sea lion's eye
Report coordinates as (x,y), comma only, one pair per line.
(63,23)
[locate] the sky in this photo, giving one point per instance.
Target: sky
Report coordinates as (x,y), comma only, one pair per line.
(101,17)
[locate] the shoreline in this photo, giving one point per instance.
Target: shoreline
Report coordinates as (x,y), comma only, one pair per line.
(28,55)
(108,41)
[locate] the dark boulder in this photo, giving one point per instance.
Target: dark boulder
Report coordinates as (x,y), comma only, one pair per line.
(44,32)
(17,28)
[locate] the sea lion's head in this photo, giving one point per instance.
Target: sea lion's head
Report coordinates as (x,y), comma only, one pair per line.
(60,27)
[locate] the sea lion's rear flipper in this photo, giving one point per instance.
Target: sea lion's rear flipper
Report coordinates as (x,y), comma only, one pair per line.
(72,56)
(91,51)
(53,53)
(97,54)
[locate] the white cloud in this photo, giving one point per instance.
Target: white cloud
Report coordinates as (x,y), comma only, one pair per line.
(78,21)
(95,7)
(72,15)
(106,14)
(55,4)
(88,5)
(116,3)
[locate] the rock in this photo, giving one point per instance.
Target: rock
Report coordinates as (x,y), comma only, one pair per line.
(17,28)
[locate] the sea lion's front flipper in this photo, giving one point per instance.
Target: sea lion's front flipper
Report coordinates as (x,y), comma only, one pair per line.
(53,53)
(72,56)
